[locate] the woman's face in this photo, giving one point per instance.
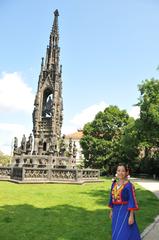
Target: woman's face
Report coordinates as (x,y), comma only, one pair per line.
(121,172)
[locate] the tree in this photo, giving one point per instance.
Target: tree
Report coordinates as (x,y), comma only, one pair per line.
(129,145)
(4,159)
(149,122)
(101,140)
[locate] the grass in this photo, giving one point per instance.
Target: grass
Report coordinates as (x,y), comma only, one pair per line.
(63,212)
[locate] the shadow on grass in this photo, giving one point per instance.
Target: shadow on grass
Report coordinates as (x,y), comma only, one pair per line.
(147,201)
(101,196)
(67,222)
(63,222)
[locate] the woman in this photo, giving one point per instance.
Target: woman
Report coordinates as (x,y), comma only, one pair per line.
(123,203)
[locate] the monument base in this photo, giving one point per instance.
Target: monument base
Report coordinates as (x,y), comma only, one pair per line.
(48,175)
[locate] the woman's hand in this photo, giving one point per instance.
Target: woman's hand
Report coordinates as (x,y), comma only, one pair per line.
(131,218)
(110,214)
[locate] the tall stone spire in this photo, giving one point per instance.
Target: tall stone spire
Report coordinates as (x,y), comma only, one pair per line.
(48,105)
(45,161)
(52,52)
(55,32)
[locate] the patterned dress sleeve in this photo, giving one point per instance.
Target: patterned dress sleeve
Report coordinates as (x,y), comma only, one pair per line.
(132,203)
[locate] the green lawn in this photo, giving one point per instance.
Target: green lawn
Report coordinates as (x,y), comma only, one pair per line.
(63,212)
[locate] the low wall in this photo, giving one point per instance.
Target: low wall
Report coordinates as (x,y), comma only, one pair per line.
(5,173)
(26,174)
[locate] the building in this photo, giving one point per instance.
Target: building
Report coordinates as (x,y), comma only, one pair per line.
(76,137)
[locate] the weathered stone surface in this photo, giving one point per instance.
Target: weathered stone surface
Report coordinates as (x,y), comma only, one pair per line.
(44,156)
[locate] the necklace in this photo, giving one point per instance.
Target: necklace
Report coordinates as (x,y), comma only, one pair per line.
(119,184)
(118,189)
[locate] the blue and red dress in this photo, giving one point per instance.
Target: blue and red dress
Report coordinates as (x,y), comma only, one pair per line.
(122,201)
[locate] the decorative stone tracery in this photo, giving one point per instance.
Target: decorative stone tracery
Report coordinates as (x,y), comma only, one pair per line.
(44,155)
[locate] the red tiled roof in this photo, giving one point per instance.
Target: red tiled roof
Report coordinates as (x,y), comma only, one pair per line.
(75,135)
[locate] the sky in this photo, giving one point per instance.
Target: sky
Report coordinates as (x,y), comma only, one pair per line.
(107,48)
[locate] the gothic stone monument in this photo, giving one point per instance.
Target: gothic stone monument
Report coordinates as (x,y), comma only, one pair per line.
(44,157)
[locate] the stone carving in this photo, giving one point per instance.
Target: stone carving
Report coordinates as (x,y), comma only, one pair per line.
(5,172)
(46,159)
(70,147)
(63,174)
(25,147)
(29,144)
(62,146)
(15,143)
(23,143)
(36,173)
(48,104)
(48,107)
(52,145)
(74,150)
(35,113)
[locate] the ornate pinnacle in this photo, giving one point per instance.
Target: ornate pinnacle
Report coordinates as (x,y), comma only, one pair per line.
(56,13)
(55,23)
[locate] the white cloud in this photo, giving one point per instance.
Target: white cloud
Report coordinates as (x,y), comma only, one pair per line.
(86,115)
(15,95)
(67,129)
(8,131)
(134,112)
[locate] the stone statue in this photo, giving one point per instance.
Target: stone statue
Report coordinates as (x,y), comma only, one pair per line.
(29,143)
(62,146)
(15,143)
(41,143)
(70,147)
(53,145)
(48,106)
(35,113)
(23,143)
(74,150)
